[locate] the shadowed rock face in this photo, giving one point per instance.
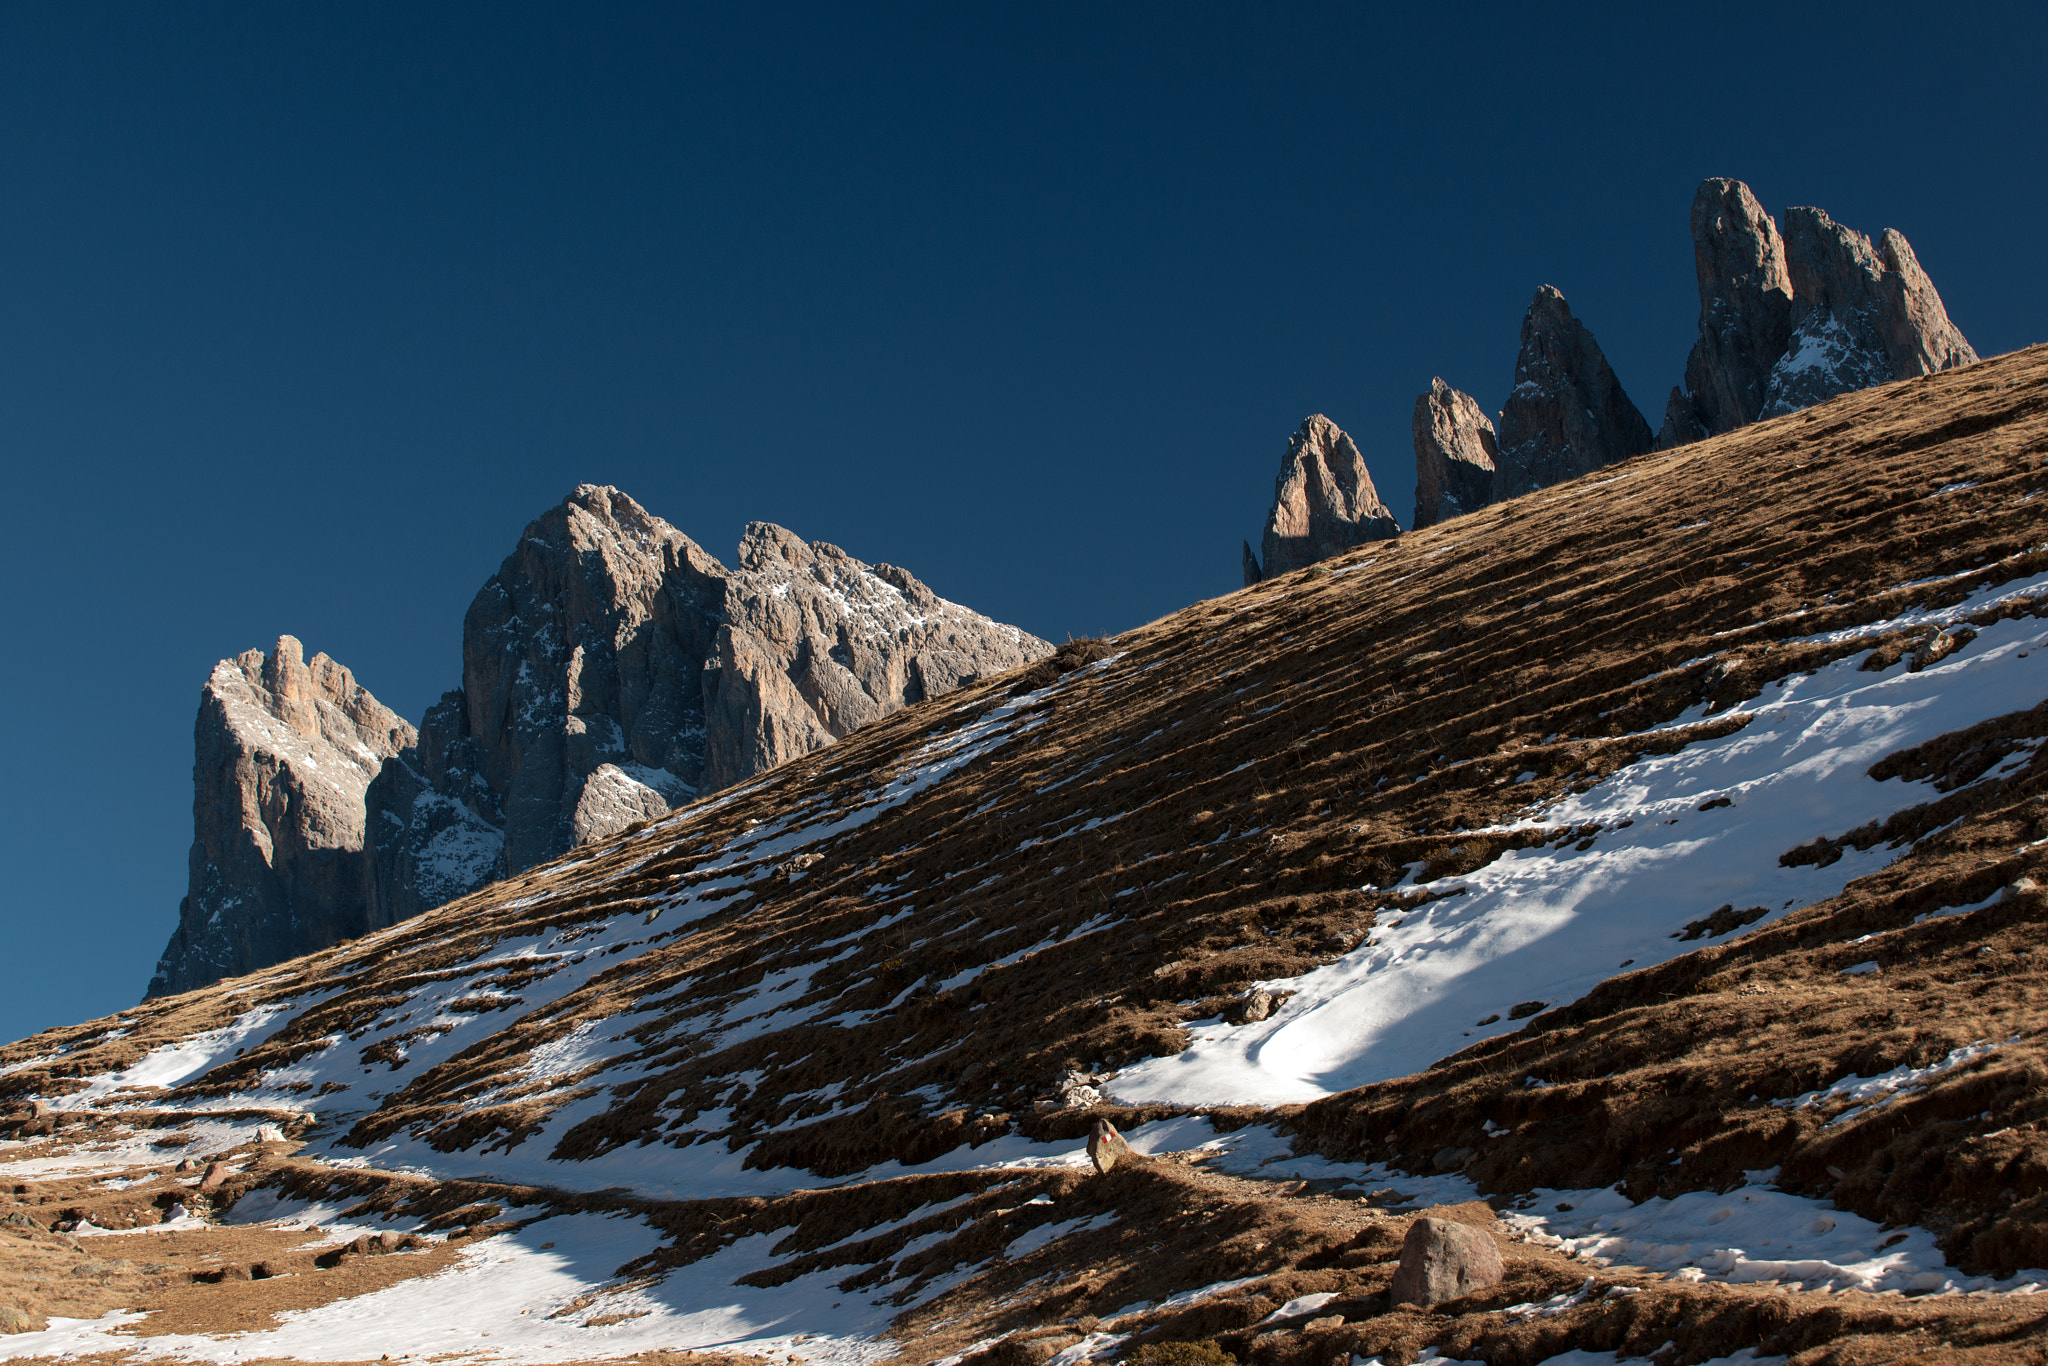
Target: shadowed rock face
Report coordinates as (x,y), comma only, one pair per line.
(1787,322)
(1455,455)
(585,650)
(611,670)
(1567,414)
(285,750)
(1323,502)
(1862,314)
(1745,314)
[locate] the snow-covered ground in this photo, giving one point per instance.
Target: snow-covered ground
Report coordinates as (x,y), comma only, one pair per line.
(1549,924)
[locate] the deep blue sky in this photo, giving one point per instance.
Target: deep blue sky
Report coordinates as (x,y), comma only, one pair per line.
(306,310)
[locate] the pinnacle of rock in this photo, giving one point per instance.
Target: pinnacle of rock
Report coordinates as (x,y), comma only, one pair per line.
(1567,414)
(611,671)
(1862,314)
(1323,500)
(285,749)
(1455,455)
(1745,314)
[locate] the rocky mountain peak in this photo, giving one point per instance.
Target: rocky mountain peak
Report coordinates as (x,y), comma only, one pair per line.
(1324,502)
(1566,413)
(612,669)
(1455,455)
(1789,321)
(1745,314)
(284,750)
(1862,314)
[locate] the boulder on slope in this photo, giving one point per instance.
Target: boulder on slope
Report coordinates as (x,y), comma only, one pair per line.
(1455,455)
(1324,502)
(1566,414)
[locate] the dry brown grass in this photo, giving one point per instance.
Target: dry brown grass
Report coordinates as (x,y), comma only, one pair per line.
(1358,716)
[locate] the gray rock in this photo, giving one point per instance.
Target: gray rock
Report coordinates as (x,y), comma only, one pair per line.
(1862,315)
(1566,415)
(586,648)
(1252,572)
(1745,314)
(285,751)
(1323,500)
(1443,1260)
(1106,1147)
(1456,452)
(435,826)
(611,671)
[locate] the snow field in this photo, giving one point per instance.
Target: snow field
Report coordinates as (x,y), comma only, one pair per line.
(1549,924)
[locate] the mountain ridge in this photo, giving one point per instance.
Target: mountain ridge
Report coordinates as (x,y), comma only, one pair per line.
(612,669)
(1710,775)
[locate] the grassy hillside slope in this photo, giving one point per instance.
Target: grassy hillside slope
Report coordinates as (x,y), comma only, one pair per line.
(1657,854)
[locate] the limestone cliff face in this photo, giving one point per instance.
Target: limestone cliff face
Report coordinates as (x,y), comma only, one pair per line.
(1456,450)
(1566,414)
(584,650)
(812,643)
(1324,502)
(1745,314)
(611,671)
(285,751)
(1862,314)
(1793,320)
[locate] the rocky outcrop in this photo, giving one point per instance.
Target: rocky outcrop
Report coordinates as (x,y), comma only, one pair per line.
(1444,1260)
(285,751)
(1455,455)
(1790,321)
(611,670)
(586,649)
(1567,414)
(1323,502)
(1862,315)
(1745,314)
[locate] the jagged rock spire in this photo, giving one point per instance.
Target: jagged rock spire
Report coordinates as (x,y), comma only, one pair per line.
(1862,314)
(1745,314)
(284,750)
(1566,414)
(1456,455)
(1323,501)
(1789,321)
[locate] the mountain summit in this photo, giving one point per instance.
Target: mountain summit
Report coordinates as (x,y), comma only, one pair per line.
(611,670)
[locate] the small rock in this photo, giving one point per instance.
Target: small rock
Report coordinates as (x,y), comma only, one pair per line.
(269,1133)
(216,1173)
(1442,1260)
(1450,1159)
(13,1320)
(39,1109)
(1327,1321)
(186,1164)
(1255,1007)
(1106,1147)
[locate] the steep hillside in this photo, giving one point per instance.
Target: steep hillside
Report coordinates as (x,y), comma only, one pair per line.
(1645,872)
